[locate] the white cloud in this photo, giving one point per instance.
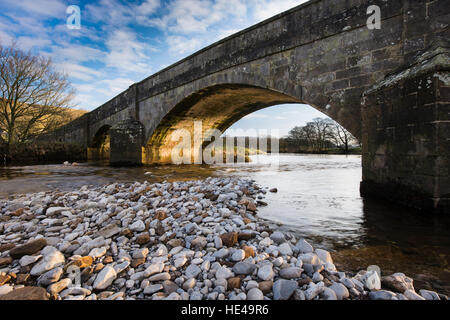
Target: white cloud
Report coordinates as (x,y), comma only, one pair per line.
(127,53)
(41,8)
(27,43)
(76,53)
(225,33)
(76,71)
(179,45)
(5,38)
(264,9)
(197,16)
(113,13)
(117,85)
(193,24)
(90,96)
(146,9)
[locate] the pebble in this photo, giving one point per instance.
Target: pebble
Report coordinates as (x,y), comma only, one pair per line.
(340,290)
(50,277)
(153,269)
(372,280)
(291,272)
(27,260)
(314,290)
(429,295)
(26,293)
(105,278)
(303,246)
(151,289)
(278,237)
(265,272)
(192,271)
(238,255)
(411,295)
(381,295)
(159,277)
(324,256)
(285,249)
(51,260)
(328,294)
(223,273)
(5,289)
(397,282)
(189,284)
(138,226)
(244,268)
(255,294)
(283,289)
(59,286)
(27,249)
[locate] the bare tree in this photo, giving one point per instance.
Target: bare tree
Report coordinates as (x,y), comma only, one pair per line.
(297,137)
(319,135)
(342,137)
(34,97)
(322,132)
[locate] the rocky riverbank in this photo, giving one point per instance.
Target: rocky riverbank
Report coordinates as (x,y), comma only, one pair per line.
(176,241)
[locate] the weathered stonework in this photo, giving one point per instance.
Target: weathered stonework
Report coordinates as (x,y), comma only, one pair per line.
(127,138)
(320,53)
(406,134)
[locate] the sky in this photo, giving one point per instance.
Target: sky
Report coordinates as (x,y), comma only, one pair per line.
(123,42)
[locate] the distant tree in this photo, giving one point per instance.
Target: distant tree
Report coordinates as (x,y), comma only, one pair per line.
(33,96)
(321,129)
(342,137)
(296,137)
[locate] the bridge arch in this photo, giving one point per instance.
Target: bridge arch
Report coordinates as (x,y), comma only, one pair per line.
(217,107)
(99,147)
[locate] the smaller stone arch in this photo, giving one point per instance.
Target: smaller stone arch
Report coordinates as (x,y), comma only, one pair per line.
(99,148)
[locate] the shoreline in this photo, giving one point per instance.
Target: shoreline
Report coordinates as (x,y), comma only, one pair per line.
(187,240)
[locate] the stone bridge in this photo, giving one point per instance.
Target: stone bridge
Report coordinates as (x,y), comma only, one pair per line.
(387,86)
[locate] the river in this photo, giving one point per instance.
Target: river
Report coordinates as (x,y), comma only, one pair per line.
(318,199)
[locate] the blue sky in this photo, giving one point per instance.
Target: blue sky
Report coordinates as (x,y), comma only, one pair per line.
(122,42)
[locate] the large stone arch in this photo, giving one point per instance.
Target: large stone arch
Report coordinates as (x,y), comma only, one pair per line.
(217,107)
(99,145)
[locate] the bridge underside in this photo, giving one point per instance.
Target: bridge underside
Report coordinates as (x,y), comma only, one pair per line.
(217,107)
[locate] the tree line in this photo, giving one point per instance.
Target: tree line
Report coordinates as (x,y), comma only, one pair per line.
(321,135)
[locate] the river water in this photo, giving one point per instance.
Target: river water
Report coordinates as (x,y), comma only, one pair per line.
(318,199)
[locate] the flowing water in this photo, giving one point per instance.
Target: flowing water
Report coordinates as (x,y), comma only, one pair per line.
(318,199)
